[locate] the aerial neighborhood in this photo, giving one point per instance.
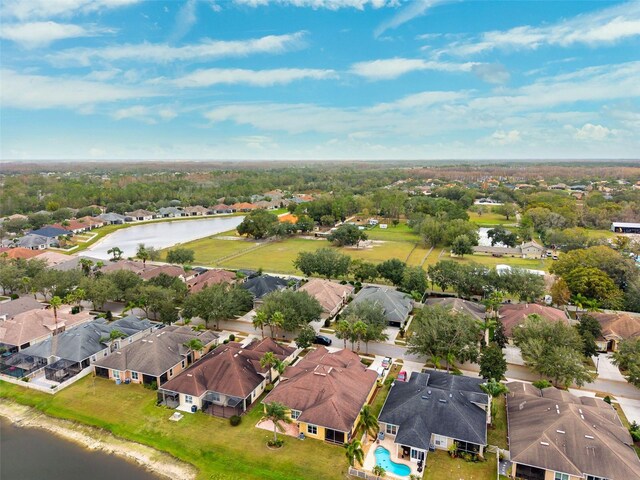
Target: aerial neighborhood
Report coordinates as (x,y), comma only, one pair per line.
(331,322)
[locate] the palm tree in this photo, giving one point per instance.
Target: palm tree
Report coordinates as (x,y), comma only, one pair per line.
(277,413)
(260,321)
(195,345)
(369,422)
(579,300)
(379,472)
(275,322)
(343,330)
(359,330)
(143,253)
(86,265)
(55,303)
(435,359)
(591,305)
(494,389)
(354,452)
(116,253)
(268,361)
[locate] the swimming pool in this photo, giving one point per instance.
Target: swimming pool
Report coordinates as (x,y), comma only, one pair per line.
(383,458)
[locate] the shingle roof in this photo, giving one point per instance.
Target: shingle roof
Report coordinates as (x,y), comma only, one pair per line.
(20,305)
(50,232)
(329,294)
(558,431)
(397,305)
(458,305)
(18,252)
(157,352)
(31,240)
(263,284)
(514,314)
(81,342)
(230,369)
(210,277)
(437,403)
(329,389)
(620,325)
(112,217)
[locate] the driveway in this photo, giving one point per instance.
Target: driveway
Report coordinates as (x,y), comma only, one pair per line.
(631,408)
(606,369)
(513,355)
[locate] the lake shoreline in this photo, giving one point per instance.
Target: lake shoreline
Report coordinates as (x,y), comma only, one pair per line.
(92,438)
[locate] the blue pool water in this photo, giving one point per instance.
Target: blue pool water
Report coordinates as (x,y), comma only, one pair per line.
(383,458)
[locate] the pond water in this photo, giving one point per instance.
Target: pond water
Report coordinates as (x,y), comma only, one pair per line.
(484,240)
(161,235)
(33,454)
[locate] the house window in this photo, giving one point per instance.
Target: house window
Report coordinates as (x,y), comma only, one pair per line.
(561,476)
(116,374)
(392,429)
(592,477)
(312,429)
(182,363)
(170,371)
(215,397)
(417,455)
(188,399)
(440,441)
(295,414)
(134,375)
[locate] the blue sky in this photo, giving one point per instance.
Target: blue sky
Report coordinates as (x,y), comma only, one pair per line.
(319,79)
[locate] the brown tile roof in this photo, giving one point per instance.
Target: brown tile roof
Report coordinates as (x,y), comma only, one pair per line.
(152,271)
(135,267)
(38,323)
(329,294)
(329,389)
(620,325)
(288,218)
(557,431)
(514,314)
(20,305)
(229,369)
(243,206)
(210,277)
(220,206)
(196,209)
(157,352)
(54,258)
(19,252)
(458,305)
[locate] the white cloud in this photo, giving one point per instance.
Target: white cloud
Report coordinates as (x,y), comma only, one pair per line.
(145,114)
(500,137)
(419,100)
(492,72)
(387,69)
(256,78)
(185,19)
(606,26)
(590,132)
(41,92)
(41,9)
(39,34)
(320,4)
(408,13)
(164,53)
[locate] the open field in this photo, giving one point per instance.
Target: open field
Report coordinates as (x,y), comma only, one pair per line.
(209,250)
(440,466)
(400,233)
(218,450)
(490,219)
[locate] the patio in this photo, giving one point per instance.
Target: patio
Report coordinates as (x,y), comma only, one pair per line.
(290,429)
(370,458)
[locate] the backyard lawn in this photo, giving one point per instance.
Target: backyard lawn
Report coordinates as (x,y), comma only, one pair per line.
(489,219)
(218,450)
(400,233)
(440,466)
(210,250)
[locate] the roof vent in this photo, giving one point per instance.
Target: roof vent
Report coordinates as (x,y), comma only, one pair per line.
(189,375)
(442,400)
(590,437)
(560,431)
(546,444)
(429,392)
(425,397)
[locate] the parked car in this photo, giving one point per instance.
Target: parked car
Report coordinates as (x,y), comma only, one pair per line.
(322,340)
(402,376)
(386,362)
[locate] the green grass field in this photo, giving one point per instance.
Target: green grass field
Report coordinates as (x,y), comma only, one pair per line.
(218,450)
(400,233)
(497,433)
(490,219)
(440,466)
(209,250)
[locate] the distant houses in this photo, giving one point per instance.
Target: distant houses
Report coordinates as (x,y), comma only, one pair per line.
(525,250)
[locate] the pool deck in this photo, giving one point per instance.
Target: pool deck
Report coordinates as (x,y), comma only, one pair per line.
(370,459)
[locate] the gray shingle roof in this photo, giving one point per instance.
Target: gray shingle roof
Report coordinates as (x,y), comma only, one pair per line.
(437,403)
(264,284)
(397,305)
(458,305)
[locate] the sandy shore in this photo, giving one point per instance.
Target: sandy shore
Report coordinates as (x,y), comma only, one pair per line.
(92,438)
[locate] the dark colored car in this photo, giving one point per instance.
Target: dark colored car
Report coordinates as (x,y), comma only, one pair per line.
(322,340)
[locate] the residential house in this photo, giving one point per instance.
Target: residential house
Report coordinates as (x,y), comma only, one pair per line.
(435,410)
(513,315)
(136,267)
(525,250)
(458,305)
(243,207)
(36,242)
(29,326)
(262,285)
(331,295)
(226,381)
(18,252)
(171,212)
(175,271)
(532,249)
(155,358)
(112,218)
(50,231)
(54,259)
(138,215)
(76,349)
(396,305)
(22,304)
(288,218)
(196,211)
(616,327)
(624,227)
(554,435)
(221,208)
(210,277)
(325,392)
